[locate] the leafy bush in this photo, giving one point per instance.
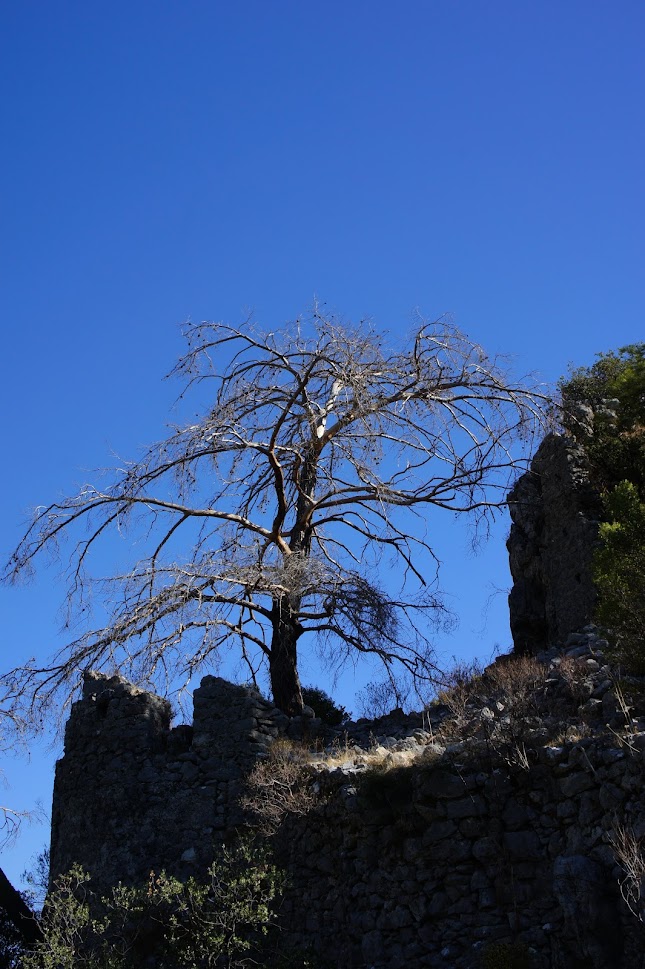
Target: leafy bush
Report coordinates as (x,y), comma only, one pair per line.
(619,574)
(37,879)
(67,927)
(223,921)
(614,387)
(324,707)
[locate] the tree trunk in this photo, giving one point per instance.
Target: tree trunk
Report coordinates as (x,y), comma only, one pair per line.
(307,477)
(283,662)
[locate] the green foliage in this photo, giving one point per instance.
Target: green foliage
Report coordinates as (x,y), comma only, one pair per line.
(224,921)
(619,374)
(66,924)
(619,574)
(506,955)
(614,386)
(615,389)
(324,707)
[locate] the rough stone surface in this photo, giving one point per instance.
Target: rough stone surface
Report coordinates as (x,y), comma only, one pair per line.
(555,511)
(132,795)
(504,837)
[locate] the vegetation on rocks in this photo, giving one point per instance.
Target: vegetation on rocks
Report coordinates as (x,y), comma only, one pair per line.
(604,407)
(278,786)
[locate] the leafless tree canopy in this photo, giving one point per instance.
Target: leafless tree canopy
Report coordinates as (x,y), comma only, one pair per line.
(287,508)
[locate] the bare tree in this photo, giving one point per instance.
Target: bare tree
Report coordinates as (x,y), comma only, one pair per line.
(273,515)
(17,922)
(12,739)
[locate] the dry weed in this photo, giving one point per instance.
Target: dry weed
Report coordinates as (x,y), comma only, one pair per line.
(572,734)
(460,686)
(520,680)
(279,786)
(628,850)
(573,671)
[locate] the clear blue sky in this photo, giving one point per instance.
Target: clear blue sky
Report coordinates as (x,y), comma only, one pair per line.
(165,161)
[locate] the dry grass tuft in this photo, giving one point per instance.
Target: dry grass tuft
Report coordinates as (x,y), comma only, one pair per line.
(573,671)
(460,686)
(520,680)
(630,855)
(572,734)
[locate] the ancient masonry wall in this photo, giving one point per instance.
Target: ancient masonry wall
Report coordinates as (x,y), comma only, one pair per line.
(413,868)
(132,795)
(555,511)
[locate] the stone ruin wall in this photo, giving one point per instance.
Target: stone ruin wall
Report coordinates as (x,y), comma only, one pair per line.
(132,795)
(419,868)
(555,510)
(422,867)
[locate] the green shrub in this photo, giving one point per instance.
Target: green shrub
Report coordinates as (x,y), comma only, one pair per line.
(324,707)
(67,926)
(619,574)
(223,921)
(614,386)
